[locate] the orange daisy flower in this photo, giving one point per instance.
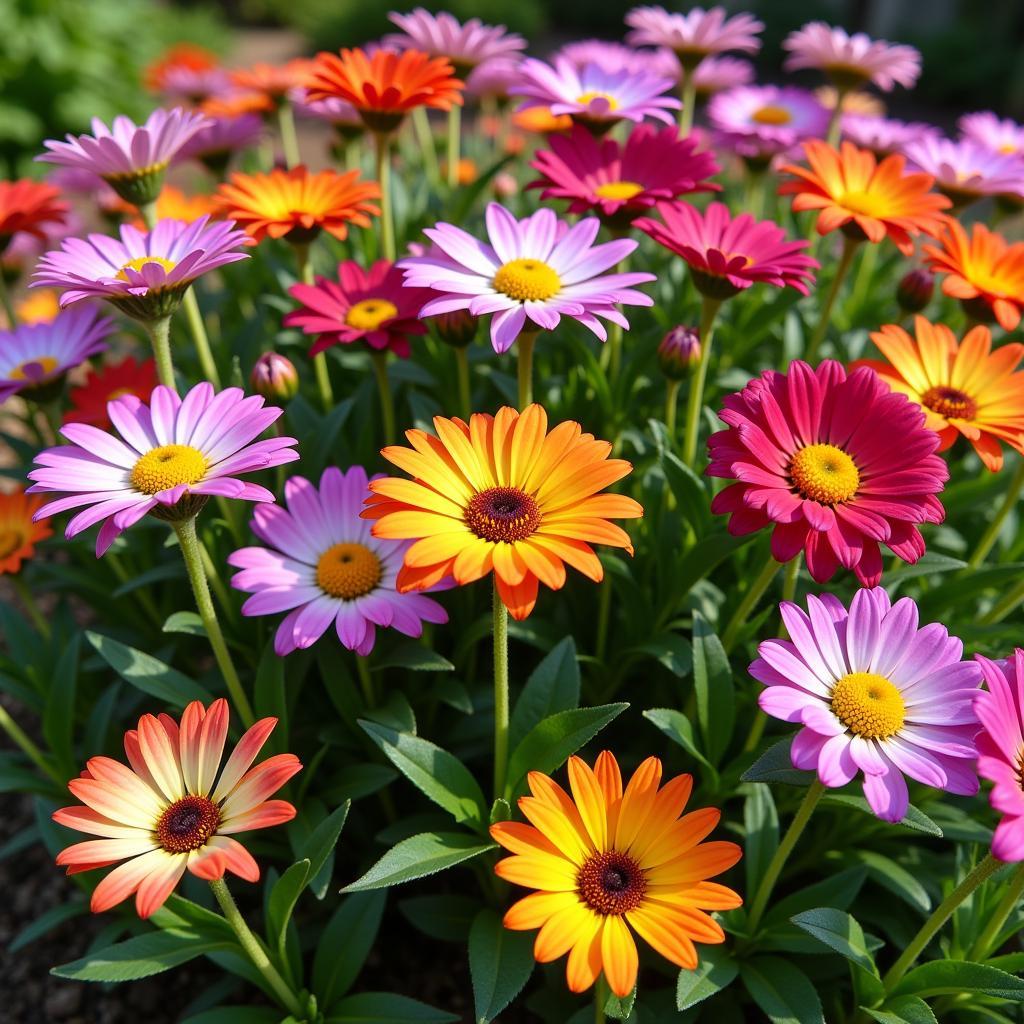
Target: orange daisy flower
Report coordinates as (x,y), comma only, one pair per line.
(540,120)
(501,493)
(273,81)
(40,306)
(235,104)
(29,206)
(179,57)
(18,534)
(865,198)
(605,860)
(983,271)
(173,204)
(386,85)
(964,389)
(297,204)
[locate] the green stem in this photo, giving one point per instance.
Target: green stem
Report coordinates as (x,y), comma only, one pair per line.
(1006,604)
(191,551)
(454,144)
(462,372)
(365,681)
(754,594)
(320,369)
(614,344)
(160,337)
(689,98)
(255,951)
(28,600)
(864,276)
(5,300)
(849,248)
(600,999)
(425,137)
(796,827)
(835,121)
(991,534)
(671,401)
(197,326)
(990,933)
(387,223)
(289,140)
(604,608)
(753,201)
(147,211)
(695,401)
(27,747)
(500,630)
(790,581)
(387,405)
(524,366)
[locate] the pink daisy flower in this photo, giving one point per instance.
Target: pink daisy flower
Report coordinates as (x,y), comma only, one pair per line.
(35,356)
(716,74)
(619,180)
(592,94)
(762,121)
(876,694)
(727,254)
(694,35)
(966,170)
(223,137)
(333,110)
(619,57)
(883,135)
(839,464)
(176,808)
(322,565)
(144,274)
(534,270)
(986,128)
(173,455)
(362,305)
(191,85)
(854,60)
(1000,709)
(494,78)
(131,158)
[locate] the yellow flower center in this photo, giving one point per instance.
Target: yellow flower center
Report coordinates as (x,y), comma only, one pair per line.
(34,369)
(168,466)
(348,571)
(502,515)
(868,705)
(187,824)
(771,115)
(523,280)
(951,403)
(140,261)
(369,314)
(611,882)
(119,393)
(1007,147)
(10,541)
(618,190)
(825,473)
(142,172)
(586,98)
(865,203)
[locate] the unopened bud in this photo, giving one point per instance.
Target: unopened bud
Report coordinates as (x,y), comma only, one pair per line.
(679,352)
(457,328)
(914,291)
(504,185)
(275,378)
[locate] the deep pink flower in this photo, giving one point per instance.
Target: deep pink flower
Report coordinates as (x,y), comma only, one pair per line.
(839,464)
(695,34)
(852,60)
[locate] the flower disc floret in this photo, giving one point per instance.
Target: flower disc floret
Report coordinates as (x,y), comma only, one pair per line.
(824,473)
(168,466)
(868,705)
(348,571)
(187,824)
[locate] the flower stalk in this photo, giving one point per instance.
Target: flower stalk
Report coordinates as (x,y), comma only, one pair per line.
(159,332)
(850,246)
(382,141)
(695,402)
(387,402)
(197,326)
(524,366)
(501,698)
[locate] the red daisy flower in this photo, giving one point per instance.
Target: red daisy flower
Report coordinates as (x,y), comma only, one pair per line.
(29,206)
(128,377)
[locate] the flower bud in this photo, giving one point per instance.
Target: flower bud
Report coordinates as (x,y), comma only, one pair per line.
(504,185)
(275,378)
(679,352)
(914,291)
(457,328)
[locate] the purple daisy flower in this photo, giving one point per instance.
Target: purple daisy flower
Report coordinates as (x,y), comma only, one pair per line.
(851,60)
(175,454)
(145,274)
(716,74)
(494,78)
(966,170)
(694,35)
(215,144)
(876,695)
(131,158)
(35,356)
(883,135)
(322,565)
(592,94)
(614,57)
(762,121)
(997,133)
(537,269)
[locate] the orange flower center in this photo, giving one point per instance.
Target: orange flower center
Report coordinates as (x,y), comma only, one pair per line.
(868,705)
(771,115)
(348,571)
(824,473)
(140,261)
(502,515)
(951,403)
(187,824)
(119,393)
(369,314)
(1007,147)
(34,369)
(525,280)
(864,203)
(618,190)
(168,466)
(10,541)
(586,98)
(611,882)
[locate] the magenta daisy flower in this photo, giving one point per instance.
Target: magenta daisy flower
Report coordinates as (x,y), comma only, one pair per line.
(362,305)
(35,356)
(876,694)
(338,113)
(615,57)
(592,94)
(173,454)
(223,137)
(883,135)
(854,60)
(765,120)
(988,129)
(131,158)
(716,74)
(190,86)
(727,254)
(145,274)
(323,565)
(534,270)
(619,180)
(966,170)
(1000,709)
(839,464)
(694,35)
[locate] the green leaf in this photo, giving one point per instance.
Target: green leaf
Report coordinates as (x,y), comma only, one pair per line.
(905,1010)
(269,697)
(414,657)
(184,915)
(344,944)
(712,683)
(141,956)
(46,922)
(839,931)
(782,991)
(761,827)
(550,743)
(500,964)
(775,765)
(318,849)
(620,1009)
(553,686)
(58,717)
(914,819)
(386,1008)
(837,890)
(952,977)
(448,917)
(930,562)
(436,773)
(420,855)
(148,674)
(283,898)
(896,878)
(236,1015)
(673,651)
(689,490)
(715,971)
(676,726)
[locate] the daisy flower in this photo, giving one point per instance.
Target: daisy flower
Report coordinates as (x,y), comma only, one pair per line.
(765,120)
(592,94)
(273,81)
(607,861)
(215,145)
(694,35)
(339,114)
(967,170)
(35,357)
(501,493)
(144,274)
(982,270)
(727,255)
(187,71)
(131,158)
(362,305)
(839,464)
(993,132)
(234,103)
(114,380)
(31,207)
(297,205)
(20,531)
(716,74)
(175,454)
(173,204)
(40,306)
(618,57)
(494,78)
(322,565)
(177,806)
(882,135)
(1000,709)
(866,199)
(965,389)
(619,180)
(534,270)
(876,694)
(850,61)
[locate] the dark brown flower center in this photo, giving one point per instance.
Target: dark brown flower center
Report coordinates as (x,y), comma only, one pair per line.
(187,824)
(611,882)
(502,515)
(951,403)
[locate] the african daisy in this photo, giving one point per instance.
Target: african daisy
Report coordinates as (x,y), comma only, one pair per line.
(759,122)
(988,129)
(850,61)
(128,377)
(20,530)
(966,170)
(694,35)
(31,207)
